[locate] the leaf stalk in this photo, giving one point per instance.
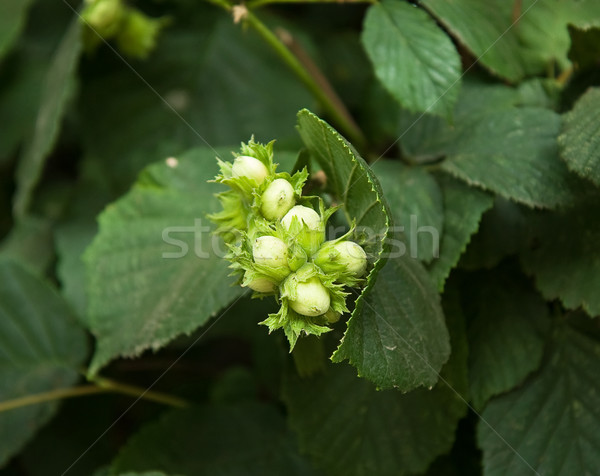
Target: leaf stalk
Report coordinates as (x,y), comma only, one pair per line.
(325,95)
(100,385)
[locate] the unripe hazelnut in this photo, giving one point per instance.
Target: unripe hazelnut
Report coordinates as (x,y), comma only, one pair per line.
(348,254)
(270,251)
(277,199)
(312,298)
(262,285)
(304,214)
(139,33)
(104,16)
(312,233)
(250,167)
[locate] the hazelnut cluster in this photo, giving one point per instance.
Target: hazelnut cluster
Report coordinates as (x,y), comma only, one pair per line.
(278,246)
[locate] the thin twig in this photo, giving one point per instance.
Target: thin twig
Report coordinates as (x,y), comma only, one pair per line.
(339,115)
(100,385)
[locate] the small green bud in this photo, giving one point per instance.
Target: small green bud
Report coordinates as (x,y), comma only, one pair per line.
(104,16)
(277,199)
(262,285)
(312,298)
(344,256)
(254,169)
(311,233)
(270,251)
(138,35)
(332,316)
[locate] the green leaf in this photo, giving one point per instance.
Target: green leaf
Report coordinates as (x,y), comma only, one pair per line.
(463,208)
(248,439)
(514,153)
(30,241)
(514,39)
(381,354)
(542,29)
(155,270)
(484,28)
(351,180)
(20,92)
(412,57)
(24,71)
(424,138)
(375,340)
(584,13)
(58,89)
(549,425)
(580,139)
(416,204)
(506,321)
(76,231)
(503,232)
(540,92)
(12,19)
(349,428)
(397,336)
(41,349)
(564,260)
(480,96)
(230,87)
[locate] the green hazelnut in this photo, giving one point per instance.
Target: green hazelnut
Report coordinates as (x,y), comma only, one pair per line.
(270,251)
(104,16)
(305,215)
(347,255)
(312,298)
(250,167)
(277,199)
(262,285)
(138,35)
